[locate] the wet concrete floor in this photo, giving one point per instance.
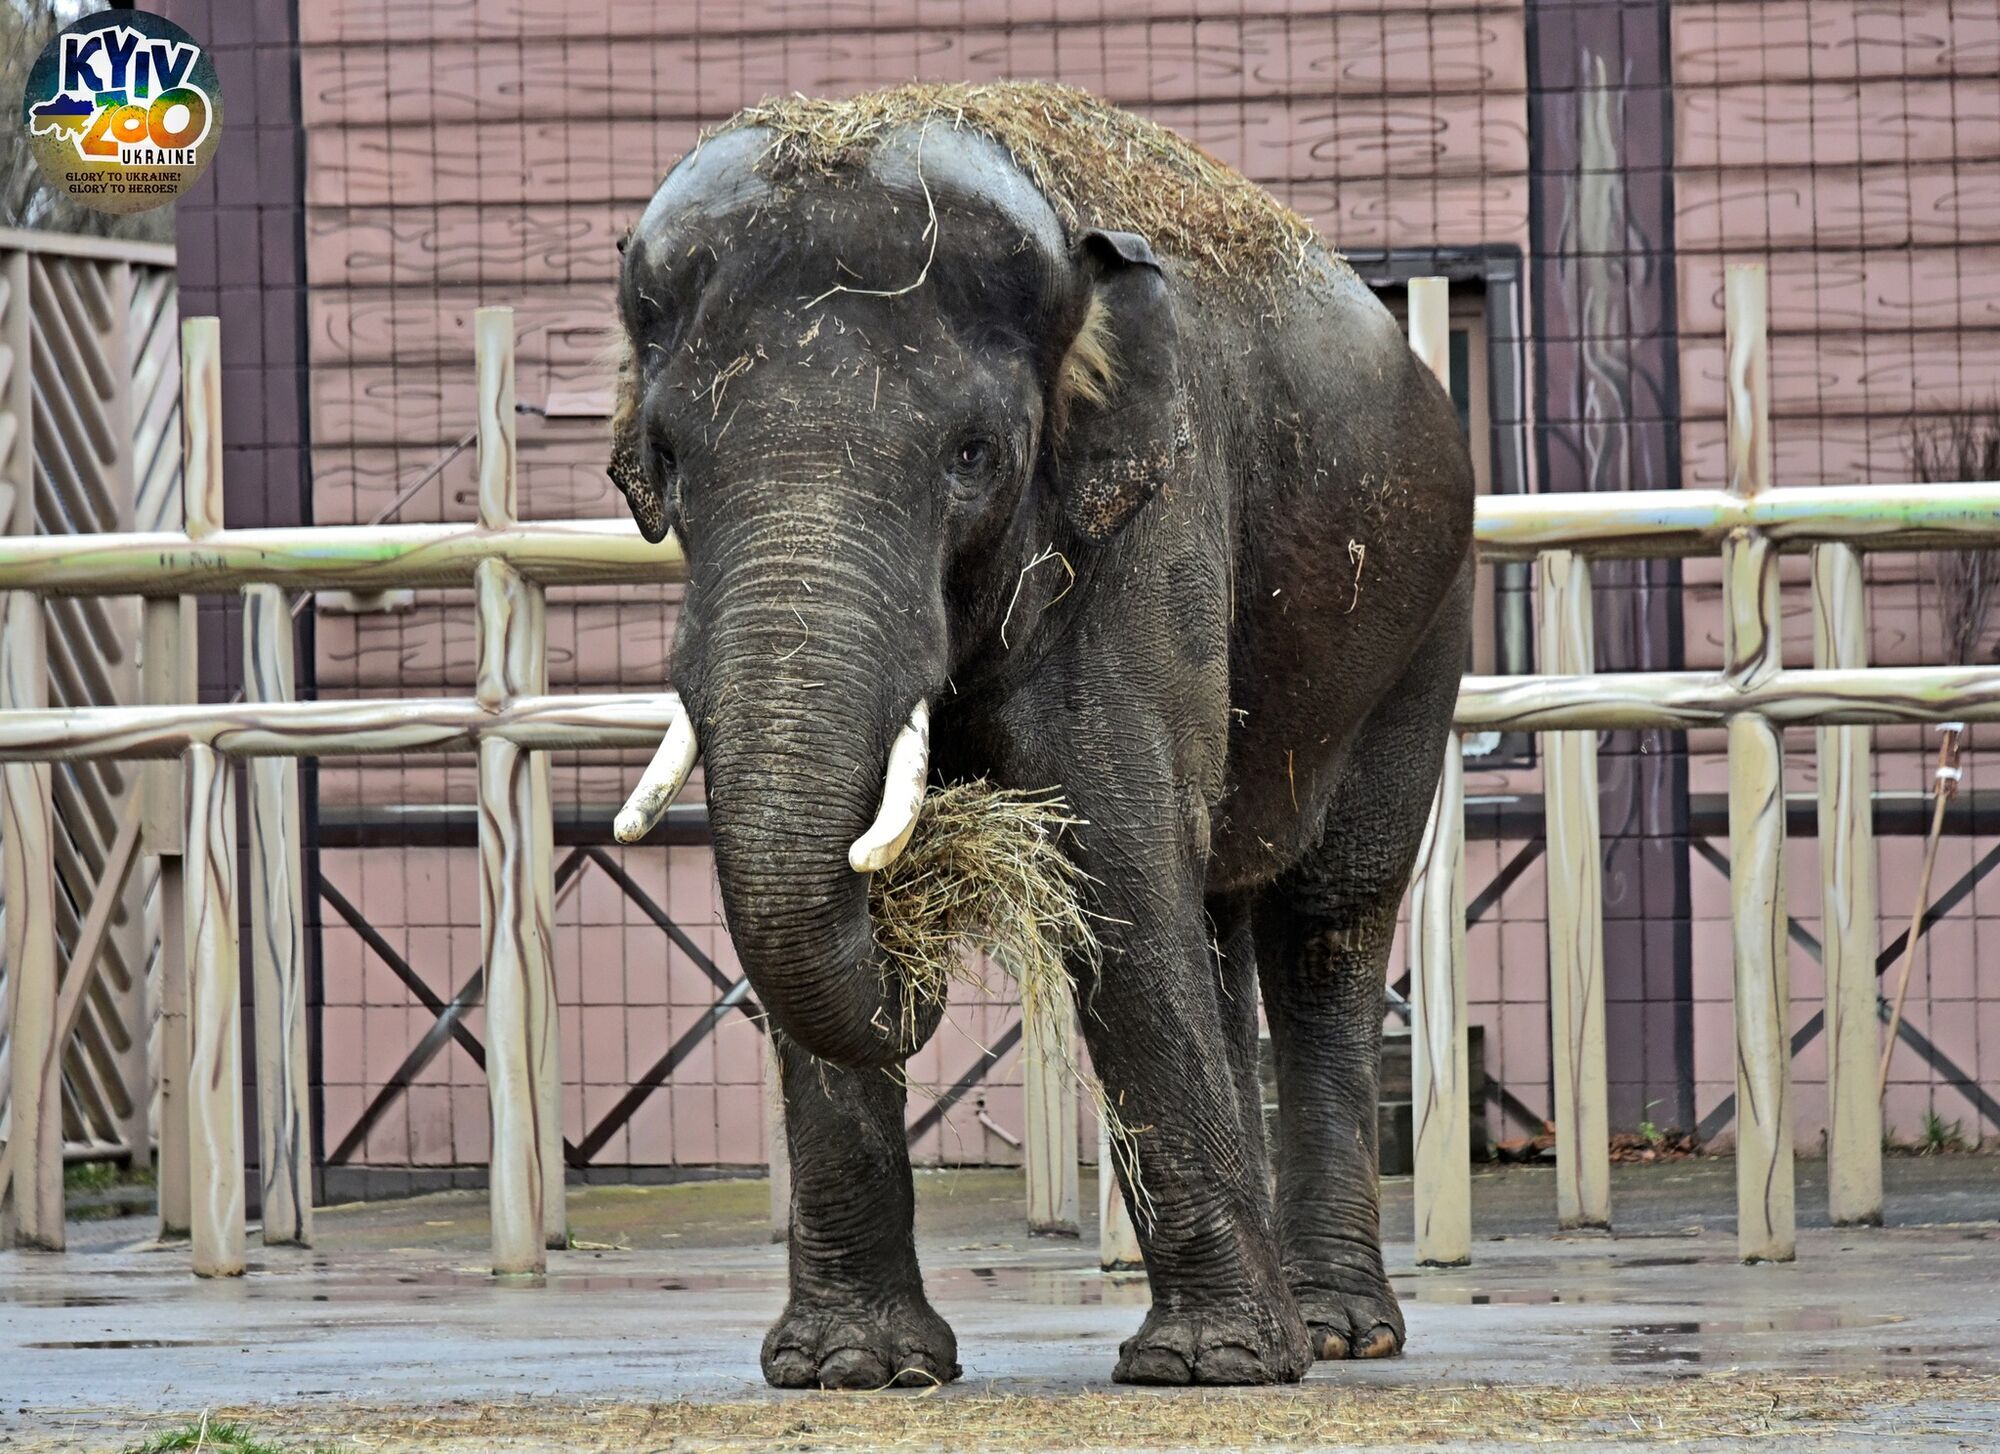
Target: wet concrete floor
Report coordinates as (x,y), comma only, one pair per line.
(671,1288)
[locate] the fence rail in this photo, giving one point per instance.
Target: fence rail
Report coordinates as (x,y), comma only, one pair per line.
(510,720)
(611,552)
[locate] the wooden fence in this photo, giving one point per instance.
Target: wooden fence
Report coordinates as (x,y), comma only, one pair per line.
(511,719)
(89,441)
(1755,696)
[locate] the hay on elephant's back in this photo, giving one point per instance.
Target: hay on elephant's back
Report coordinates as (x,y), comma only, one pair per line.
(1097,165)
(985,870)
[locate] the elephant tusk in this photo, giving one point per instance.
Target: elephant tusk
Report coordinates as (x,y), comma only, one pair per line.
(902,795)
(661,780)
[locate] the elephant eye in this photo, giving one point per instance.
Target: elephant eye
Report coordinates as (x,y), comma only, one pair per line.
(974,457)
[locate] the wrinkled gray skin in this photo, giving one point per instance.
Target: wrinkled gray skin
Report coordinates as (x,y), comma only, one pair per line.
(1248,711)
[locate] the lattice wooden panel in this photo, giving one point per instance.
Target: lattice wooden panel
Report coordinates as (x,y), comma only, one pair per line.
(90,382)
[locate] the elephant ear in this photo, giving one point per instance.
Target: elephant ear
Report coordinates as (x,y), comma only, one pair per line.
(627,464)
(1120,415)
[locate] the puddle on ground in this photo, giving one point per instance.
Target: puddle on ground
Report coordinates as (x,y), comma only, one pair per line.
(1681,1341)
(1629,1263)
(34,1298)
(1072,1287)
(1051,1286)
(68,1343)
(1526,1297)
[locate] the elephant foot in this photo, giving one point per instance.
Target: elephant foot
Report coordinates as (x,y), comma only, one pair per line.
(1351,1311)
(1215,1347)
(901,1343)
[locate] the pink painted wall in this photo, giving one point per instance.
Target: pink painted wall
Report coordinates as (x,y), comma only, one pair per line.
(459,154)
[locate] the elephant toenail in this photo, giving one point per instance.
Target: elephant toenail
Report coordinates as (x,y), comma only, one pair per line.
(791,1368)
(852,1368)
(1329,1344)
(1231,1365)
(1381,1342)
(1156,1366)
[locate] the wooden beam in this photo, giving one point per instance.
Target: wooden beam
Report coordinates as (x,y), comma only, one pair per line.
(215,1067)
(493,361)
(513,959)
(1441,1189)
(1430,326)
(516,837)
(27,869)
(1576,913)
(201,425)
(1117,1240)
(368,558)
(1766,1225)
(81,973)
(778,1154)
(1849,930)
(277,938)
(1048,1089)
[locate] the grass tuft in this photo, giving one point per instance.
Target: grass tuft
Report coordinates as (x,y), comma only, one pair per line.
(224,1438)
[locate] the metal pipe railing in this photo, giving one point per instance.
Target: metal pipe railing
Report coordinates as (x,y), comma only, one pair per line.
(511,721)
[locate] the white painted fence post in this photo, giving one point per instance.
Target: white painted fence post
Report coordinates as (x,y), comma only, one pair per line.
(27,857)
(523,1075)
(1117,1242)
(27,866)
(777,1150)
(1442,1189)
(1576,912)
(277,938)
(167,677)
(1848,925)
(1764,1174)
(215,1017)
(1048,1089)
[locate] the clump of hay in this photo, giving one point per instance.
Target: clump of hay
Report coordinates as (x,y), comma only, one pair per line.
(1097,165)
(985,870)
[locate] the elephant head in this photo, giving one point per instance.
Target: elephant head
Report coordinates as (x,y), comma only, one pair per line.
(868,400)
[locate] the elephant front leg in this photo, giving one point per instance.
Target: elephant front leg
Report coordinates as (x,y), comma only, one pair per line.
(857,1316)
(1222,1313)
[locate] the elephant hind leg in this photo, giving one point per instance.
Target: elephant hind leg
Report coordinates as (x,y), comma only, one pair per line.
(1323,933)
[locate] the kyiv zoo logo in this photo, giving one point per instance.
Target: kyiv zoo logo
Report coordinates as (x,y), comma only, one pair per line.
(122,111)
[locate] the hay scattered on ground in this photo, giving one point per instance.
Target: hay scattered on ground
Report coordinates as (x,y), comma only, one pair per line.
(1097,165)
(985,870)
(1769,1408)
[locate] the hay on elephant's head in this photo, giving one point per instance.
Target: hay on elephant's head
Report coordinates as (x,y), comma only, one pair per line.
(1097,165)
(985,870)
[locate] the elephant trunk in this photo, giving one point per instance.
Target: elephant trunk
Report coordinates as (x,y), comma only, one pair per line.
(815,759)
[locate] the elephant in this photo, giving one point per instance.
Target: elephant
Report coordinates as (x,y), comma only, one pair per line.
(996,411)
